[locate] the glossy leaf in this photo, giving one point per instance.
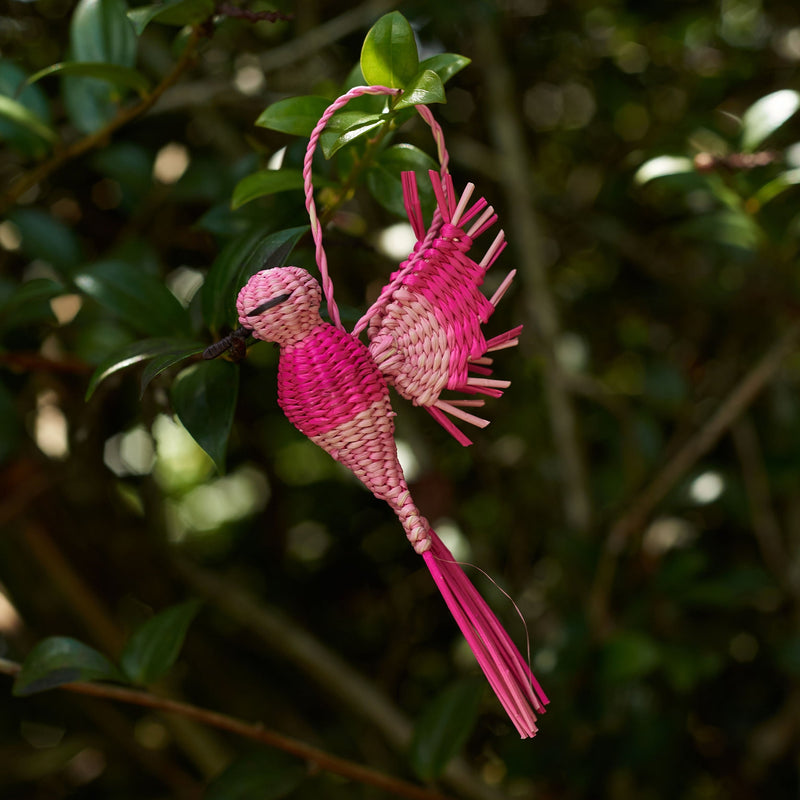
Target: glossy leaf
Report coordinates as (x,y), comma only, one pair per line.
(777,186)
(154,647)
(100,31)
(266,775)
(265,182)
(257,249)
(346,127)
(767,115)
(444,727)
(90,104)
(445,65)
(30,303)
(59,660)
(295,115)
(171,12)
(204,397)
(660,166)
(117,74)
(384,181)
(169,357)
(389,54)
(45,237)
(424,88)
(15,112)
(137,298)
(24,115)
(136,353)
(726,227)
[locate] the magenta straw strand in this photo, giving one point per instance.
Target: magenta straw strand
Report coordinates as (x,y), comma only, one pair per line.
(316,228)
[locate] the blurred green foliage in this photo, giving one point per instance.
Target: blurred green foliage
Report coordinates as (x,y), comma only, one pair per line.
(635,493)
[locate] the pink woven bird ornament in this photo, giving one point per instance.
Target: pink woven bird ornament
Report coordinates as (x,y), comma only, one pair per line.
(424,337)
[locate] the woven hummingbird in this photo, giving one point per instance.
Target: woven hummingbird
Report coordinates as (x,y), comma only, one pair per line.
(424,338)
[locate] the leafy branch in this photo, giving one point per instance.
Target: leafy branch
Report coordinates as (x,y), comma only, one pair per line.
(248,730)
(100,137)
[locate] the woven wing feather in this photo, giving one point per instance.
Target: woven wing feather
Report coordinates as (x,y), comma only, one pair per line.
(425,330)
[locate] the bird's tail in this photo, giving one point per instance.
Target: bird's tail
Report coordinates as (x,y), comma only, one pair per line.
(507,671)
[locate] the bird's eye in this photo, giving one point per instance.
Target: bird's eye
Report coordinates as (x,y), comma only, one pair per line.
(271,303)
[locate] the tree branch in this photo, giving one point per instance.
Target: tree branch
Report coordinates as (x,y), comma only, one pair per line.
(684,459)
(248,730)
(325,668)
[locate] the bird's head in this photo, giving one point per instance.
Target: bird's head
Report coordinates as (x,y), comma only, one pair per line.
(280,304)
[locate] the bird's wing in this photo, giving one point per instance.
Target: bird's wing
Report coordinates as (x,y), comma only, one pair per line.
(425,329)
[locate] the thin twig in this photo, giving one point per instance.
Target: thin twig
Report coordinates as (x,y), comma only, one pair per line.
(248,730)
(684,459)
(325,668)
(100,137)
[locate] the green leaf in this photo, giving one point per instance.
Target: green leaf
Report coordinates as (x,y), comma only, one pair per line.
(660,166)
(725,227)
(137,298)
(16,112)
(629,655)
(171,12)
(445,65)
(168,358)
(204,398)
(90,104)
(346,127)
(384,181)
(154,647)
(767,115)
(125,77)
(257,776)
(444,727)
(295,115)
(170,349)
(389,54)
(245,255)
(45,237)
(771,190)
(59,660)
(100,31)
(265,182)
(30,303)
(424,88)
(24,115)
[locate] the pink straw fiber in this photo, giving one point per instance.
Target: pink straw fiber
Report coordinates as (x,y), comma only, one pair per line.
(425,338)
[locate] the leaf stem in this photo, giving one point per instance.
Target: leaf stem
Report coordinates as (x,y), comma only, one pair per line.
(248,730)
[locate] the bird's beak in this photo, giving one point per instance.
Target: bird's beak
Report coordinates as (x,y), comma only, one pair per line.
(236,342)
(275,301)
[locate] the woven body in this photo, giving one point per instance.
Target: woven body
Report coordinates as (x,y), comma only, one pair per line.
(332,391)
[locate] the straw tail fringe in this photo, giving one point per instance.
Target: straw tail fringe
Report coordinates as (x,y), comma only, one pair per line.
(507,672)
